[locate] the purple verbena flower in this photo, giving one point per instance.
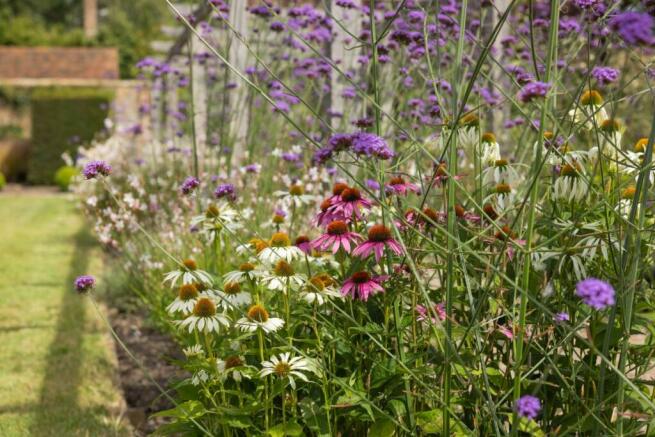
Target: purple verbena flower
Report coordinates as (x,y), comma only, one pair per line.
(368,144)
(225,191)
(561,318)
(596,293)
(93,169)
(634,28)
(189,185)
(533,90)
(528,406)
(605,75)
(84,283)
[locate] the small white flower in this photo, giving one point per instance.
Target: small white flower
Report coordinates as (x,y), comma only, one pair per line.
(246,272)
(570,186)
(286,367)
(280,248)
(188,273)
(200,377)
(232,296)
(232,367)
(258,318)
(490,152)
(316,291)
(501,171)
(193,351)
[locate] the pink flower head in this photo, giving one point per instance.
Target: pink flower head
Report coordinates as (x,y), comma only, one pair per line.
(326,216)
(424,314)
(361,285)
(399,186)
(303,243)
(507,331)
(337,189)
(379,237)
(350,202)
(337,236)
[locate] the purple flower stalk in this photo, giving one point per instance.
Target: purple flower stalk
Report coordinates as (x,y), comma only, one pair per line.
(93,169)
(533,90)
(634,28)
(84,283)
(189,185)
(225,190)
(596,293)
(528,406)
(605,75)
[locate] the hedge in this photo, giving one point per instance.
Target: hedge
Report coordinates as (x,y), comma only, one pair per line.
(62,118)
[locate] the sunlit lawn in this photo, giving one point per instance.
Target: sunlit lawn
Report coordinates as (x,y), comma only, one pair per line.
(56,361)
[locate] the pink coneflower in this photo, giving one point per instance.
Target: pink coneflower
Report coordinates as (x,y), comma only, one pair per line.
(398,185)
(424,314)
(361,285)
(379,237)
(463,214)
(303,243)
(350,202)
(326,216)
(337,189)
(337,236)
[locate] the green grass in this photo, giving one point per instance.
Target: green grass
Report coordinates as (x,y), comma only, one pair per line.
(57,368)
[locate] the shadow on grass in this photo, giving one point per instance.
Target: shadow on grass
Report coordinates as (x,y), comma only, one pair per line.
(59,411)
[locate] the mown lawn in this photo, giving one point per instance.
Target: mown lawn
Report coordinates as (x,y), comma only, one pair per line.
(56,361)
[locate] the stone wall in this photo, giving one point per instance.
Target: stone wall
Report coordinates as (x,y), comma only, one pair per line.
(58,62)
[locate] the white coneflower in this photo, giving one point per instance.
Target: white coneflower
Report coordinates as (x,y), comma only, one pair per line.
(280,248)
(193,351)
(296,196)
(215,219)
(504,196)
(490,152)
(204,317)
(247,272)
(319,290)
(500,171)
(185,301)
(612,131)
(189,273)
(200,377)
(232,296)
(252,247)
(569,185)
(550,149)
(284,366)
(258,318)
(590,111)
(231,367)
(468,132)
(282,277)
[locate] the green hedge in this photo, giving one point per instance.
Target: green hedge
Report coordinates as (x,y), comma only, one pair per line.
(58,115)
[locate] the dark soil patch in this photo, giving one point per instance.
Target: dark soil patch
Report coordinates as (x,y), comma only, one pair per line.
(154,351)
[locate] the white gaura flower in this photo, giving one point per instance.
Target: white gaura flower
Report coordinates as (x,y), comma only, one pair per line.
(280,248)
(296,196)
(490,149)
(188,273)
(570,186)
(282,277)
(232,296)
(247,272)
(232,367)
(204,317)
(319,289)
(498,172)
(590,111)
(284,366)
(258,318)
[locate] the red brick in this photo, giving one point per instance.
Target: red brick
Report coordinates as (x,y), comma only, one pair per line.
(58,62)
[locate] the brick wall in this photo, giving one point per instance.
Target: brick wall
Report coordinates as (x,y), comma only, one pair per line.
(58,62)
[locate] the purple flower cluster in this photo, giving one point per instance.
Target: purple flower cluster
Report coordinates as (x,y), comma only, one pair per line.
(533,90)
(560,318)
(84,283)
(596,293)
(605,75)
(189,185)
(93,169)
(634,28)
(528,406)
(361,143)
(225,191)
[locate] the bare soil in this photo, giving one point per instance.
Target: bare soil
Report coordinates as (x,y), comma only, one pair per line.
(154,351)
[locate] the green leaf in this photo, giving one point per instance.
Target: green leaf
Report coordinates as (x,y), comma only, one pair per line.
(382,428)
(185,411)
(289,429)
(531,427)
(431,422)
